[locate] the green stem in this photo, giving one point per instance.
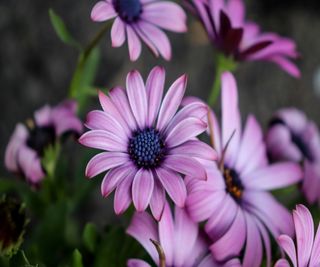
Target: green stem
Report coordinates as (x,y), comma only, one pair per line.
(223,64)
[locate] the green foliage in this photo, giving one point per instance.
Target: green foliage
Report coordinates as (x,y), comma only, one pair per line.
(89,237)
(76,259)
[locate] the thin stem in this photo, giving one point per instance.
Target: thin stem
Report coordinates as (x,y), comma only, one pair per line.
(162,257)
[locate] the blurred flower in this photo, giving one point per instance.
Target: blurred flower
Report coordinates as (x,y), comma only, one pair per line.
(308,246)
(179,239)
(27,144)
(234,198)
(227,29)
(293,137)
(147,143)
(141,19)
(13,222)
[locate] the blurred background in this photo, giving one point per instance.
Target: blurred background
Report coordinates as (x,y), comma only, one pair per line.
(36,67)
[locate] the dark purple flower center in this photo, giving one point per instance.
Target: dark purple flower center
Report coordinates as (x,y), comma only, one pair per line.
(233,182)
(147,148)
(128,10)
(297,140)
(40,138)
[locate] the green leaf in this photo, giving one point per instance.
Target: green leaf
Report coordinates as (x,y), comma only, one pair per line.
(76,259)
(62,31)
(89,236)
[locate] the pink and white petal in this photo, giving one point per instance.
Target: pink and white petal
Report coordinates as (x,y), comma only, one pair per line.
(104,140)
(143,228)
(208,261)
(142,189)
(251,139)
(196,110)
(105,161)
(185,165)
(231,122)
(118,33)
(282,263)
(157,200)
(315,254)
(16,141)
(158,38)
(288,246)
(171,102)
(222,218)
(236,12)
(154,87)
(186,233)
(146,39)
(253,251)
(184,131)
(294,118)
(167,15)
(266,240)
(103,11)
(43,116)
(121,102)
(174,185)
(303,223)
(258,161)
(122,196)
(274,176)
(225,247)
(134,44)
(109,107)
(137,97)
(137,263)
(287,66)
(167,234)
(30,164)
(195,148)
(215,135)
(115,177)
(68,124)
(100,120)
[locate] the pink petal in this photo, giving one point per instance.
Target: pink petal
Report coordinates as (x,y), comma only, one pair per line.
(103,11)
(118,33)
(184,131)
(157,200)
(134,44)
(215,136)
(171,102)
(143,228)
(142,188)
(315,254)
(185,165)
(287,244)
(101,139)
(274,176)
(137,263)
(115,177)
(236,11)
(186,233)
(145,38)
(17,140)
(225,247)
(287,66)
(282,263)
(43,116)
(137,97)
(122,196)
(167,234)
(195,148)
(231,122)
(105,161)
(154,87)
(266,241)
(174,185)
(294,118)
(166,15)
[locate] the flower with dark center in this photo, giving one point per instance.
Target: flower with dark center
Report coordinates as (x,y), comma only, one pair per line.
(13,222)
(148,144)
(137,20)
(28,143)
(227,29)
(291,136)
(234,201)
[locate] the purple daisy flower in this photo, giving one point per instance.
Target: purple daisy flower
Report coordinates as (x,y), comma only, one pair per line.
(179,238)
(148,145)
(28,143)
(227,29)
(141,19)
(307,253)
(295,138)
(234,199)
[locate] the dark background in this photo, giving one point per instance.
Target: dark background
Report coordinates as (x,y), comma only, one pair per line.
(35,67)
